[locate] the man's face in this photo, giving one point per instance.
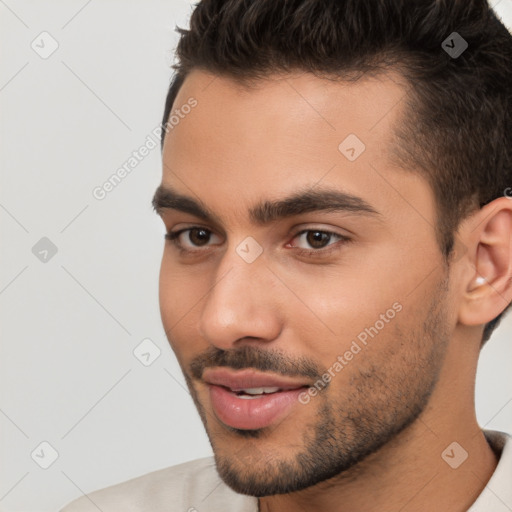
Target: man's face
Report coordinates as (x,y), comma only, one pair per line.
(263,301)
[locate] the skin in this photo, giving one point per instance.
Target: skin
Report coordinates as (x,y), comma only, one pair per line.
(398,404)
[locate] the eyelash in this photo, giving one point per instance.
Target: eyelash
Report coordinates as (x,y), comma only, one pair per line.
(173,237)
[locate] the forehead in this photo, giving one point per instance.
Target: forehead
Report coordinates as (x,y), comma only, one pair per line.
(284,132)
(291,113)
(369,104)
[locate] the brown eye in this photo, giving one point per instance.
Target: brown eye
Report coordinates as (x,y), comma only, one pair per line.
(197,237)
(317,239)
(317,243)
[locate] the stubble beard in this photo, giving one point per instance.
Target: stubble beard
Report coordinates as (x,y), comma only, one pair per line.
(385,397)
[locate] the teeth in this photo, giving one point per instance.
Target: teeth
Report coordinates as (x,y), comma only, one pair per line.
(257,391)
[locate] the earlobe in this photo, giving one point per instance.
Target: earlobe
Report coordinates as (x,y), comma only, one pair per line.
(489,290)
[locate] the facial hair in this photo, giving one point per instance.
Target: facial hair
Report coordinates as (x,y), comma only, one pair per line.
(385,396)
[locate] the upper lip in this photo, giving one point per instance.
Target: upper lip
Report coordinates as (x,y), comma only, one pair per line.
(246,379)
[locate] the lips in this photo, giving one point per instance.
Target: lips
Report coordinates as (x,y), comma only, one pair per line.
(250,400)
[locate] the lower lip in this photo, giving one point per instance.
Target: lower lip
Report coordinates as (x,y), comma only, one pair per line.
(251,413)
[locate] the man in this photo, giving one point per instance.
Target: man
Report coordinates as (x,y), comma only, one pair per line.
(334,188)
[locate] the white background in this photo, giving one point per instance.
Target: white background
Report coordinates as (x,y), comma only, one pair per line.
(68,375)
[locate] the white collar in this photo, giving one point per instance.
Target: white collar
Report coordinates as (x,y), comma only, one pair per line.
(497,494)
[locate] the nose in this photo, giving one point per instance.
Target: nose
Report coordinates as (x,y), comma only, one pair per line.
(241,305)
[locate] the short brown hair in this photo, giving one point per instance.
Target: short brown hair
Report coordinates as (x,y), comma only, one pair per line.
(458,128)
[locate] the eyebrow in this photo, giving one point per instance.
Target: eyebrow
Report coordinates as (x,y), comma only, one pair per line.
(265,212)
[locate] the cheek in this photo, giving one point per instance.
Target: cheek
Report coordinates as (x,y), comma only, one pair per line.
(167,293)
(177,289)
(180,293)
(332,306)
(363,300)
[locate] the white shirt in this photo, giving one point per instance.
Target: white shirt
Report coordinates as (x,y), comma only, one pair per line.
(195,486)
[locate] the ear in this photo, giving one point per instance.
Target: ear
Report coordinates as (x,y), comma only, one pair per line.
(487,284)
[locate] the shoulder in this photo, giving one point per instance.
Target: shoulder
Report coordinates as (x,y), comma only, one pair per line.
(187,487)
